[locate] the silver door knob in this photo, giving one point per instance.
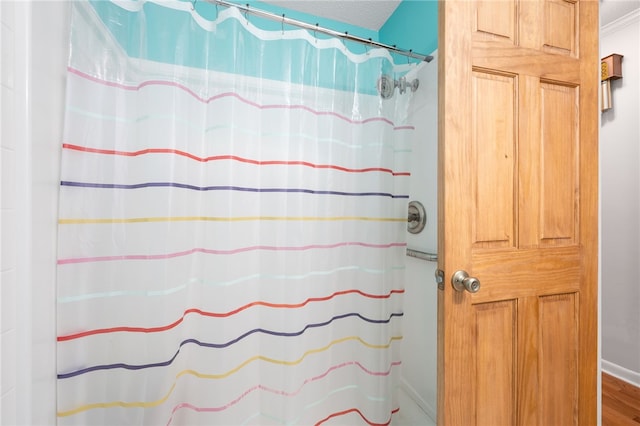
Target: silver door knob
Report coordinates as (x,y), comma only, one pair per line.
(461,281)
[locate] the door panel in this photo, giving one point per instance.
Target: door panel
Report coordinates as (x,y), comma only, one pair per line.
(558,358)
(518,210)
(558,162)
(493,151)
(560,26)
(496,20)
(495,328)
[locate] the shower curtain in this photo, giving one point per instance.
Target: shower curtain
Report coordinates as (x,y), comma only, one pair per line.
(231,227)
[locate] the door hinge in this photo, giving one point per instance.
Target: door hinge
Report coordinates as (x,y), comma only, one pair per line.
(440,279)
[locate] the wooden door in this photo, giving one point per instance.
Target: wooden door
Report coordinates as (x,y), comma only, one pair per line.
(518,191)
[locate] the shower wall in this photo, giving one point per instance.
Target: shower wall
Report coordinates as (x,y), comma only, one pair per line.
(414,25)
(420,303)
(34,42)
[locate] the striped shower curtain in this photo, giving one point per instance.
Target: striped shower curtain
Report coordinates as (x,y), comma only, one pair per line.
(231,228)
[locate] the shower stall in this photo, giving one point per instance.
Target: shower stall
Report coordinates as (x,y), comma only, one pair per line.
(37,99)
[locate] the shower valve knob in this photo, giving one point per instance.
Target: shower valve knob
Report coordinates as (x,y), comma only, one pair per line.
(461,281)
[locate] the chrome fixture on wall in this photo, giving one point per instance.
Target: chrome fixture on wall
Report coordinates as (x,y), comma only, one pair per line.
(416,218)
(387,85)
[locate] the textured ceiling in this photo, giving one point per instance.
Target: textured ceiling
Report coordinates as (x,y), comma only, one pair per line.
(372,14)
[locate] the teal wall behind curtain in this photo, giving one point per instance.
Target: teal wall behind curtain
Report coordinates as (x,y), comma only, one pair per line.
(413,25)
(170,20)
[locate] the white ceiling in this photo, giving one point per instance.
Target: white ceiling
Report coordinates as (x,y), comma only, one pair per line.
(610,10)
(372,14)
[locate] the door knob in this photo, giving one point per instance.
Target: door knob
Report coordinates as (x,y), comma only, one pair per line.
(461,281)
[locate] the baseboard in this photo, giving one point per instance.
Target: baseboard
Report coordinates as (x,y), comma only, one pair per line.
(629,376)
(420,402)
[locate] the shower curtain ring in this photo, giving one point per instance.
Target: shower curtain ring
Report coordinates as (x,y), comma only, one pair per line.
(410,53)
(193,5)
(282,24)
(246,13)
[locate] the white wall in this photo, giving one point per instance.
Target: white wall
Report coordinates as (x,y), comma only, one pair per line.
(34,57)
(419,365)
(620,205)
(8,216)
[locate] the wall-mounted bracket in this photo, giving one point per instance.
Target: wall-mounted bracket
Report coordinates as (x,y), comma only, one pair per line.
(610,69)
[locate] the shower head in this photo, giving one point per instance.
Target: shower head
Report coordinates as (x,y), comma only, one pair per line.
(386,85)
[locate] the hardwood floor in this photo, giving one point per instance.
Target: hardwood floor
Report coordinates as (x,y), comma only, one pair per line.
(620,402)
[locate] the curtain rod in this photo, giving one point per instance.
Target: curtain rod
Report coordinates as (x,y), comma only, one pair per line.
(345,35)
